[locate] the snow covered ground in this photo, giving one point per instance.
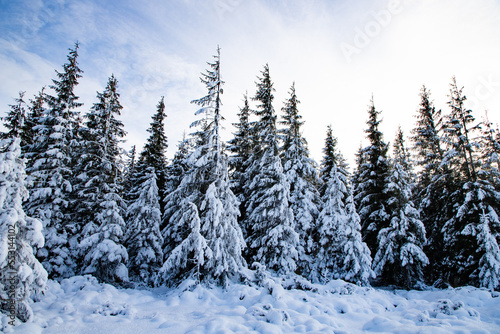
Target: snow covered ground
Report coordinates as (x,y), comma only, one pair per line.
(81,305)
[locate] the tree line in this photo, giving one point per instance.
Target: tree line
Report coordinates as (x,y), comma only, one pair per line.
(427,214)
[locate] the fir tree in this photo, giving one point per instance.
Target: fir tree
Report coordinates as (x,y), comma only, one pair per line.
(399,259)
(490,151)
(215,248)
(473,234)
(331,158)
(370,184)
(488,236)
(301,174)
(241,148)
(99,201)
(341,253)
(479,216)
(269,221)
(175,173)
(356,175)
(188,257)
(50,170)
(15,119)
(143,239)
(22,276)
(427,140)
(128,175)
(153,153)
(433,183)
(461,163)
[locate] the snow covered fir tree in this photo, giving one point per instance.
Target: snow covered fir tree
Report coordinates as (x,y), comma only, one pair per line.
(302,176)
(339,252)
(205,231)
(253,208)
(271,236)
(99,192)
(22,275)
(400,258)
(370,182)
(51,170)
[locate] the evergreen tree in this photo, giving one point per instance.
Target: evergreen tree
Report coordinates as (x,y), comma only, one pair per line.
(100,208)
(479,216)
(153,153)
(215,247)
(473,233)
(143,239)
(356,175)
(331,158)
(427,140)
(433,183)
(188,257)
(35,111)
(22,276)
(175,173)
(371,183)
(15,119)
(269,221)
(300,171)
(128,175)
(488,237)
(490,151)
(241,148)
(341,253)
(460,160)
(399,259)
(50,170)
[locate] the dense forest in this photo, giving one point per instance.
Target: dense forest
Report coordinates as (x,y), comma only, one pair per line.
(424,212)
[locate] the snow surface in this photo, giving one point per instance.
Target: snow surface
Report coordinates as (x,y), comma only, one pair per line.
(81,305)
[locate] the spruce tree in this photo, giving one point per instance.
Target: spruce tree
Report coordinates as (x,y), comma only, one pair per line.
(331,158)
(340,252)
(461,163)
(269,220)
(100,208)
(15,119)
(356,175)
(241,148)
(209,208)
(481,227)
(473,234)
(490,151)
(36,108)
(301,174)
(400,259)
(143,239)
(50,170)
(187,258)
(128,175)
(22,276)
(175,173)
(433,182)
(427,141)
(153,153)
(370,197)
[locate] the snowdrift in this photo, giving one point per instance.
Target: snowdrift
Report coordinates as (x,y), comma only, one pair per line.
(82,305)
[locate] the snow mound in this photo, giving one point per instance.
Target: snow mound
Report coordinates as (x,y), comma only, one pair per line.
(82,305)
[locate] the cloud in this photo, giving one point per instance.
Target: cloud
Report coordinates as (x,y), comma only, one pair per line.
(159,48)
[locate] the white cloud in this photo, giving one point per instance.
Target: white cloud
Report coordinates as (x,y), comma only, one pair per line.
(159,48)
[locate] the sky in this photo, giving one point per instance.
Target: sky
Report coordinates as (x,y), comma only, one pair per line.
(339,53)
